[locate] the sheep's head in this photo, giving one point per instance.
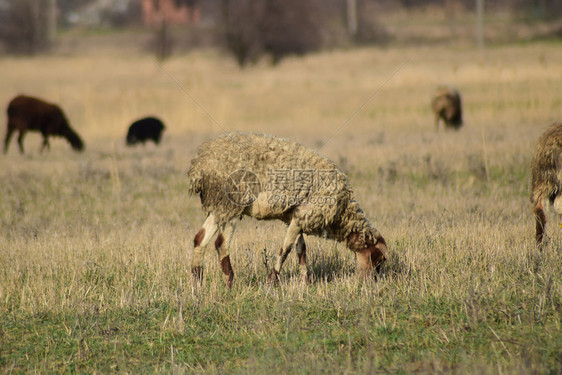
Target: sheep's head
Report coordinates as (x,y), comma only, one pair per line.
(370,243)
(74,140)
(453,115)
(132,139)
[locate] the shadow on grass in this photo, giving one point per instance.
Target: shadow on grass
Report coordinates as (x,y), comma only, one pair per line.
(328,269)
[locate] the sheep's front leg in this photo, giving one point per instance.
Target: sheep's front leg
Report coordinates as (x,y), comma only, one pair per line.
(222,244)
(45,144)
(292,234)
(301,252)
(202,239)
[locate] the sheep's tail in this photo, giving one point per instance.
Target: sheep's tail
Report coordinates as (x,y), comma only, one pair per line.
(195,182)
(211,191)
(542,190)
(201,182)
(545,181)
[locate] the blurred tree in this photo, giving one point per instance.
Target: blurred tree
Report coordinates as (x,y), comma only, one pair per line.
(291,27)
(162,16)
(242,29)
(368,29)
(279,28)
(29,26)
(67,6)
(162,42)
(540,9)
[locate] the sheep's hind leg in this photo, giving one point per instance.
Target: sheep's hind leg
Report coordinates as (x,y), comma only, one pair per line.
(301,252)
(20,141)
(290,238)
(202,239)
(222,244)
(540,221)
(9,133)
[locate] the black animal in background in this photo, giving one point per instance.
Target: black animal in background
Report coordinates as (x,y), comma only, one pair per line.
(144,129)
(26,113)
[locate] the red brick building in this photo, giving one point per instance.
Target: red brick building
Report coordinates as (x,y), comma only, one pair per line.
(175,12)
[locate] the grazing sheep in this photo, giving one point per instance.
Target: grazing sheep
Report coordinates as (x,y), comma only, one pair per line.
(26,113)
(272,178)
(446,105)
(546,169)
(144,129)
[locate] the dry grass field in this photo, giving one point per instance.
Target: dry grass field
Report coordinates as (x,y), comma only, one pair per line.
(95,247)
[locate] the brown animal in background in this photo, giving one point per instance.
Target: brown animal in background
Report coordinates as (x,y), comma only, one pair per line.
(26,113)
(546,169)
(446,105)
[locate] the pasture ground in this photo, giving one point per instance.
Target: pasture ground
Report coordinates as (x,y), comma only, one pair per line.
(95,247)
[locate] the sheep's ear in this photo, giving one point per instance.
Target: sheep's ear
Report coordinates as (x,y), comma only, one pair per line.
(378,255)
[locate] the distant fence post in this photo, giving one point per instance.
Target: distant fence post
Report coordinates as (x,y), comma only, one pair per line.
(480,23)
(352,17)
(51,21)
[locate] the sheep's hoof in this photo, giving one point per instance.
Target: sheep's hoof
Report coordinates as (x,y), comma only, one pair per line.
(197,272)
(229,280)
(365,274)
(273,278)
